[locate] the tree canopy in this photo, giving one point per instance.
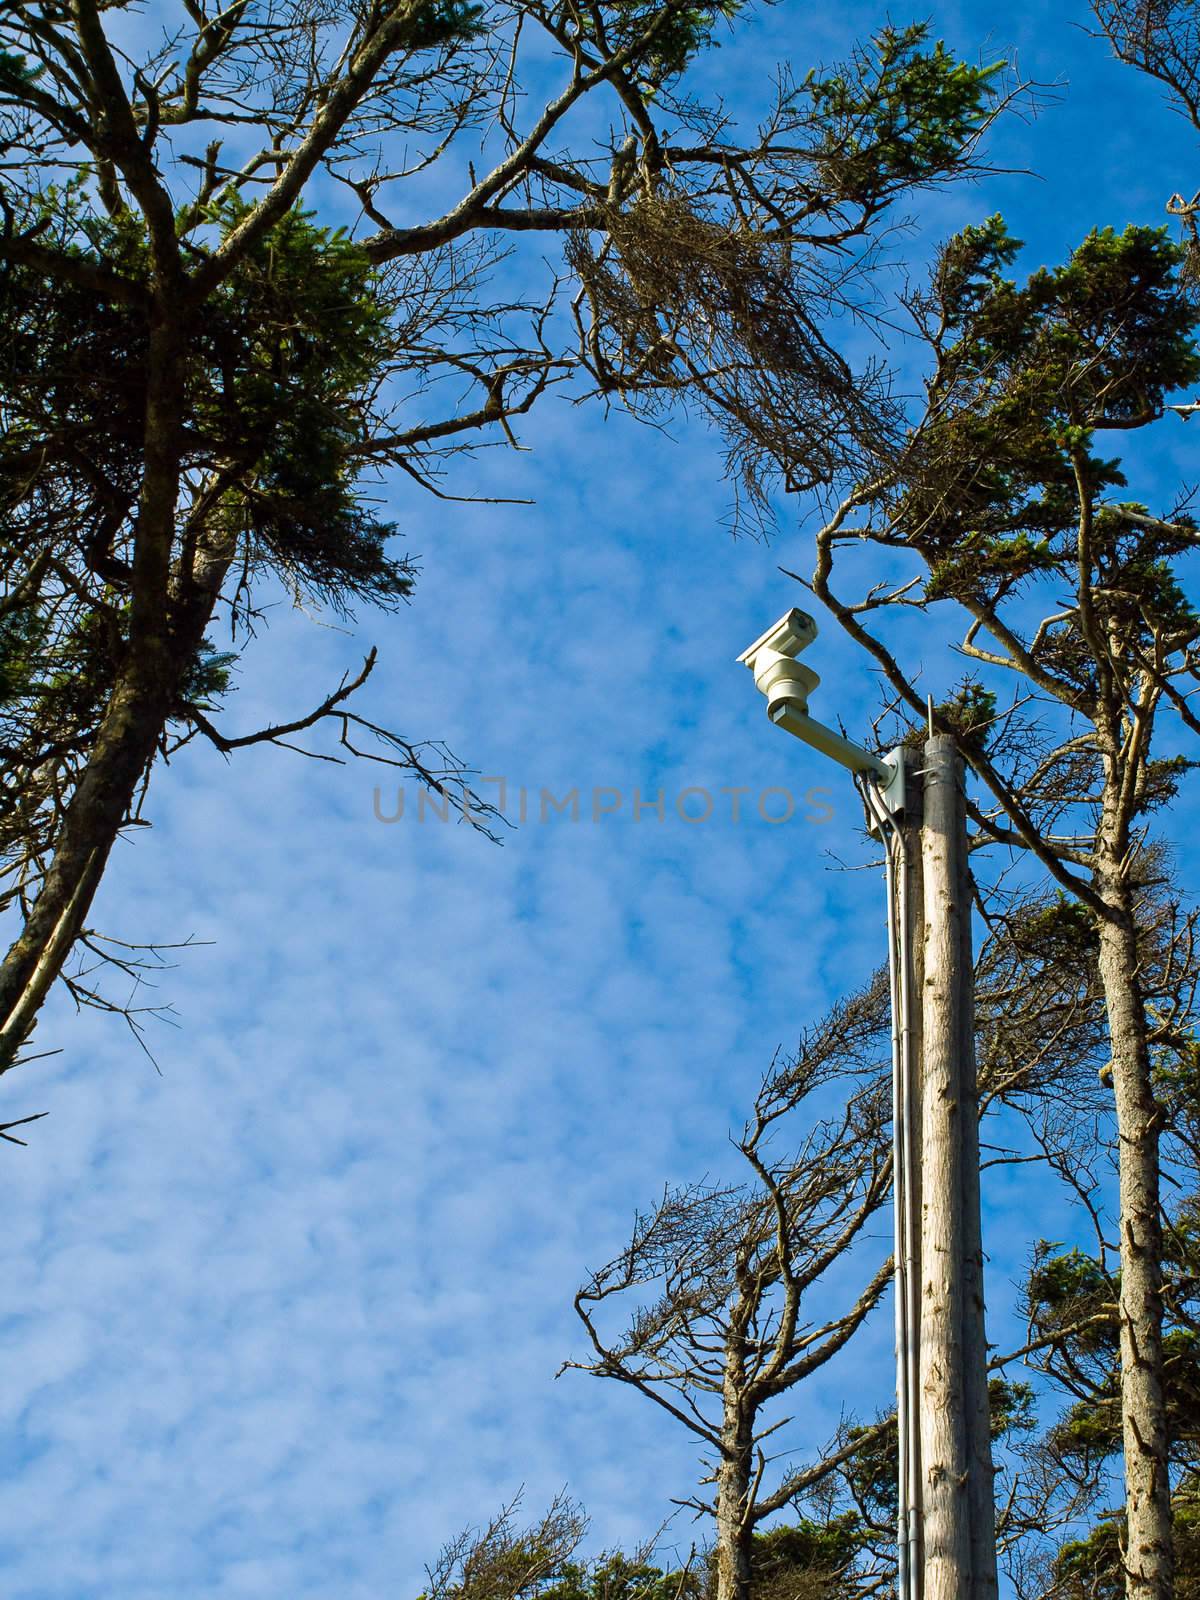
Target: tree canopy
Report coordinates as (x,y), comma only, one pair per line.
(230,310)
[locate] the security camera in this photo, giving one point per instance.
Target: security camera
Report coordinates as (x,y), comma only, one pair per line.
(777,675)
(787,686)
(794,632)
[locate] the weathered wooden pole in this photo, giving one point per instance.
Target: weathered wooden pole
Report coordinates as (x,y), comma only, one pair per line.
(958,1514)
(946,1543)
(909,912)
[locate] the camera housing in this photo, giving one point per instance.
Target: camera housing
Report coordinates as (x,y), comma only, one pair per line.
(771,658)
(794,632)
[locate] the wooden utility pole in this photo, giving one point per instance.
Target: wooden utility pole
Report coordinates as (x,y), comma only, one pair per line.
(908,968)
(958,1516)
(946,1533)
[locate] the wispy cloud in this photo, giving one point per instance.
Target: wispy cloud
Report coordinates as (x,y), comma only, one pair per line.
(283,1319)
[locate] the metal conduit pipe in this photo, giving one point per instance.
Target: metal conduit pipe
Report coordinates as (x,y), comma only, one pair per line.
(899,1208)
(907,1289)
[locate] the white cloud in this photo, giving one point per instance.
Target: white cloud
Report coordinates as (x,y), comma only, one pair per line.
(282,1320)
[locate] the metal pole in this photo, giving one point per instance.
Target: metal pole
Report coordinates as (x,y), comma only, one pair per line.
(907,1565)
(901,838)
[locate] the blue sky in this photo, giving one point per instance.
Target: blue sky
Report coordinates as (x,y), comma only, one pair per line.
(286,1317)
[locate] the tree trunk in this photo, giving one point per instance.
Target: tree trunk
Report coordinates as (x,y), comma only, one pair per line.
(164,636)
(165,632)
(1149,1556)
(734,1476)
(958,1515)
(125,745)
